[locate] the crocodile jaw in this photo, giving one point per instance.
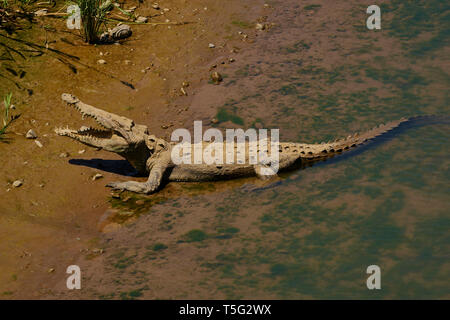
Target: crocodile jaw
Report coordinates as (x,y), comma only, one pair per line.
(105,119)
(104,139)
(115,134)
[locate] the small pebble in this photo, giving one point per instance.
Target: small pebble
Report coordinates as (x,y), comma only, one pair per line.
(216,77)
(38,143)
(81,151)
(63,155)
(260,26)
(17,183)
(142,19)
(212,45)
(31,134)
(101,61)
(97,176)
(41,12)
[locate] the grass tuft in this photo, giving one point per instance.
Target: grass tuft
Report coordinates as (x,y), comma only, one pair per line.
(93,15)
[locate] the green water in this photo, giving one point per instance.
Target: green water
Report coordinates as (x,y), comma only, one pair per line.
(319,230)
(314,234)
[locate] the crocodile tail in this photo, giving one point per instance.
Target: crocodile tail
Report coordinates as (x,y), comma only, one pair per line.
(330,149)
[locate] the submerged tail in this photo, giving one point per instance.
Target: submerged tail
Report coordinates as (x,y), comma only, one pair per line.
(326,150)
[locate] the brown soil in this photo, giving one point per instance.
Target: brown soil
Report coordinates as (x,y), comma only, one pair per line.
(45,223)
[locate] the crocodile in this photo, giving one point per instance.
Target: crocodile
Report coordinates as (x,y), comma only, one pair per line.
(152,156)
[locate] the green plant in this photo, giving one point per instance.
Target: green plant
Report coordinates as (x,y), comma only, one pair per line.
(6,117)
(93,16)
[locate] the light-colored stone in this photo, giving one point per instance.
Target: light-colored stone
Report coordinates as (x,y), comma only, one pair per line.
(31,134)
(142,19)
(212,45)
(101,61)
(38,143)
(97,176)
(216,77)
(41,12)
(260,26)
(17,183)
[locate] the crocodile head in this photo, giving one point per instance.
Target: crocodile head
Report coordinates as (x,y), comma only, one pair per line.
(116,133)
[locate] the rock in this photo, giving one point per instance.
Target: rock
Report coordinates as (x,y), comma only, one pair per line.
(64,155)
(231,60)
(127,62)
(121,32)
(155,6)
(51,270)
(97,176)
(31,134)
(17,183)
(41,12)
(216,77)
(38,143)
(212,45)
(142,19)
(97,251)
(81,151)
(101,61)
(115,195)
(260,26)
(214,121)
(140,202)
(183,91)
(185,84)
(117,33)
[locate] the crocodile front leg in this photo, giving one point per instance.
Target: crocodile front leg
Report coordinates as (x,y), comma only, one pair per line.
(157,166)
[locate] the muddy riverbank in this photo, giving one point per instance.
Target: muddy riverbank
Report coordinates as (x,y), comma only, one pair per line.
(55,213)
(316,73)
